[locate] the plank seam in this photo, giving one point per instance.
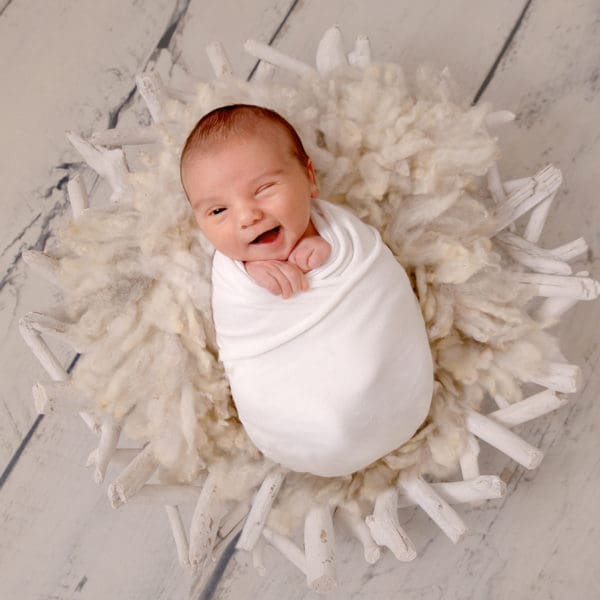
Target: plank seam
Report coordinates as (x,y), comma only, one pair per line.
(274,36)
(5,7)
(501,54)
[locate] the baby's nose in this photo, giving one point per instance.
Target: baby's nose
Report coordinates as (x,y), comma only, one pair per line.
(250,215)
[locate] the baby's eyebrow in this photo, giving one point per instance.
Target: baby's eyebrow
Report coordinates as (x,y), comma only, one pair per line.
(208,200)
(267,174)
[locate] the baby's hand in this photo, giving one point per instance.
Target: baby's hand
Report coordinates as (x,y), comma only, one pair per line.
(278,276)
(310,253)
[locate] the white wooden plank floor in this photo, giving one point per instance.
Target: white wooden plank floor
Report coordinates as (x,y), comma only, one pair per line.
(70,65)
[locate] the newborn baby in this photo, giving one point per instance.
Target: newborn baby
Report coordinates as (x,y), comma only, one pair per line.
(321,336)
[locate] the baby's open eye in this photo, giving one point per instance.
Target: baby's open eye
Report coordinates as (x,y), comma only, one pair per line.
(217,211)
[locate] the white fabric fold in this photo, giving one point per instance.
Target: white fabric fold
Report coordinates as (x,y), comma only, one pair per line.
(334,378)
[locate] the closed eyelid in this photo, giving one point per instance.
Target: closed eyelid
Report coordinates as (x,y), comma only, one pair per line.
(265,186)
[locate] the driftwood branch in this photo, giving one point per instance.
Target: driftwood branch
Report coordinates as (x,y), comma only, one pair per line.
(205,523)
(130,481)
(350,518)
(152,90)
(78,196)
(361,55)
(279,59)
(386,529)
(531,408)
(330,52)
(218,59)
(319,547)
(504,440)
(434,505)
(181,542)
(261,506)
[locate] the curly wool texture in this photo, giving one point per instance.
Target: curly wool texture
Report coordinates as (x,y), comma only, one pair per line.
(407,159)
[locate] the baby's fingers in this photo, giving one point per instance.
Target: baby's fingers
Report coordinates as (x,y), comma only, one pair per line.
(280,275)
(295,278)
(301,257)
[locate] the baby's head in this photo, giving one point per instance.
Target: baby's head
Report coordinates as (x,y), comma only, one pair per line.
(249,182)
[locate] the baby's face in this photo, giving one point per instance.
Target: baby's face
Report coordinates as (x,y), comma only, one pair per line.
(250,195)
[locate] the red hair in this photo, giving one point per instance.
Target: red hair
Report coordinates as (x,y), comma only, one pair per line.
(219,123)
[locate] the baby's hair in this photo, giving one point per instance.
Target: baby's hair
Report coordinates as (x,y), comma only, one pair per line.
(219,123)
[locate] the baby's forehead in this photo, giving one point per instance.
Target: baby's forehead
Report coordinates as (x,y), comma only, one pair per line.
(267,132)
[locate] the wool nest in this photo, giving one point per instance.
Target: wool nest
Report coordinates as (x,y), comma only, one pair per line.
(407,156)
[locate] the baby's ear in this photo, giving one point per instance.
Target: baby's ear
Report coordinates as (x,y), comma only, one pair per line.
(314,186)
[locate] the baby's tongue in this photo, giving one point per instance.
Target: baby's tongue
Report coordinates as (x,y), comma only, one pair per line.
(267,236)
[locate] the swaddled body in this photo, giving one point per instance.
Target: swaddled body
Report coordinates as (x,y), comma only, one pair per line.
(319,331)
(332,379)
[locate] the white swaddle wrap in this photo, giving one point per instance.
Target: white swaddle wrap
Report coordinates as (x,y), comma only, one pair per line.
(333,378)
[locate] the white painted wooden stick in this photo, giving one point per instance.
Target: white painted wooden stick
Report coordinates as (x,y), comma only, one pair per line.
(58,397)
(205,523)
(559,377)
(511,239)
(494,183)
(261,506)
(135,475)
(264,72)
(386,529)
(55,328)
(51,365)
(361,55)
(109,164)
(155,493)
(469,460)
(42,352)
(179,536)
(319,547)
(233,518)
(434,505)
(357,526)
(499,117)
(218,59)
(504,440)
(273,56)
(44,265)
(182,95)
(120,459)
(286,547)
(134,136)
(483,487)
(77,194)
(581,288)
(571,250)
(500,400)
(531,255)
(152,90)
(110,433)
(537,220)
(330,52)
(528,409)
(550,311)
(545,183)
(512,185)
(90,421)
(258,557)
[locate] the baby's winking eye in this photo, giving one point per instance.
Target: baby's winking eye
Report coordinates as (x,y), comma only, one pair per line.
(264,187)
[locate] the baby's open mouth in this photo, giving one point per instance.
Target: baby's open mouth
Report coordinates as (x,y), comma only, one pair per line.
(267,236)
